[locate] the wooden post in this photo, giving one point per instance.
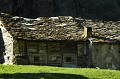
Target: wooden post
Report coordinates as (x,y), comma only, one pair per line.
(61,54)
(47,51)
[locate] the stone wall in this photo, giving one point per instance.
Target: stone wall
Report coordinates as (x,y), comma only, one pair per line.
(106,56)
(6,45)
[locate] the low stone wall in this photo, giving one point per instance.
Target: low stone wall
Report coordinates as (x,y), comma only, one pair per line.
(106,56)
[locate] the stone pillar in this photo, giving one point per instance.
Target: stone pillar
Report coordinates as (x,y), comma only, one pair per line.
(7,45)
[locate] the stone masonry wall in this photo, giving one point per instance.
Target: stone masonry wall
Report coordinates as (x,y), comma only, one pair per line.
(7,48)
(106,56)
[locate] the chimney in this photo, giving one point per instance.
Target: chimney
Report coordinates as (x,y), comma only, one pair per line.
(87,32)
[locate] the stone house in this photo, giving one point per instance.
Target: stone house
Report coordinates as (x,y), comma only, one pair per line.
(60,41)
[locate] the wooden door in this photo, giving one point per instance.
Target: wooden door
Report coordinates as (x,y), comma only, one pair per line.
(69,54)
(54,53)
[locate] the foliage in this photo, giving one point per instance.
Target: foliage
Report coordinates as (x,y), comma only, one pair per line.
(92,9)
(47,72)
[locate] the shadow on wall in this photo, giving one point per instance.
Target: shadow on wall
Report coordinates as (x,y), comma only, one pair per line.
(41,76)
(2,48)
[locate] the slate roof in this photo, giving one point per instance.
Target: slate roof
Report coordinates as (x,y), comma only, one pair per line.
(44,28)
(61,28)
(103,31)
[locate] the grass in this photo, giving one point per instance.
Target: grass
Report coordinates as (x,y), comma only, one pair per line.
(47,72)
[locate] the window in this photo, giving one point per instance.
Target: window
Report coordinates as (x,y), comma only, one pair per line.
(68,59)
(36,59)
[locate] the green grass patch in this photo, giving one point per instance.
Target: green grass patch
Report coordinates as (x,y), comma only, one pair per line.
(47,72)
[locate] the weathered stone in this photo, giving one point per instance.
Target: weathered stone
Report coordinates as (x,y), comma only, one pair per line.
(6,46)
(106,56)
(45,41)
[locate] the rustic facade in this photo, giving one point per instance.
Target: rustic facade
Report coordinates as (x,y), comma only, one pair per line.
(60,41)
(56,53)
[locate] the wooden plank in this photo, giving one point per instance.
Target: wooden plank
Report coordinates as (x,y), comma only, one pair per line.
(54,53)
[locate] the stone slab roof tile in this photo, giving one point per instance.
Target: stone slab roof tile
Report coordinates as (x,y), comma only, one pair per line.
(61,28)
(44,28)
(105,29)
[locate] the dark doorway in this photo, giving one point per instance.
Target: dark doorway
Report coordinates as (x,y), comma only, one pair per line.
(2,48)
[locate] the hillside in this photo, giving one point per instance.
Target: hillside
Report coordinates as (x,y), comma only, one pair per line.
(46,72)
(92,9)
